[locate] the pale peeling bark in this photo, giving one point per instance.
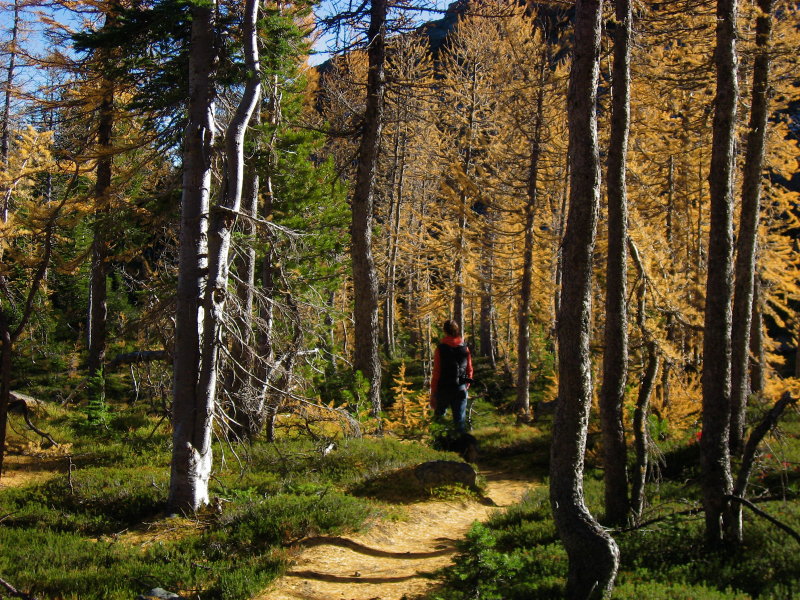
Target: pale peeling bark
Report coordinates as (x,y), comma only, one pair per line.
(191,452)
(615,355)
(593,554)
(220,228)
(365,279)
(716,379)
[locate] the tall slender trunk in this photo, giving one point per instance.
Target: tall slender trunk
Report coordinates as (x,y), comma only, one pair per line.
(747,238)
(615,355)
(365,279)
(5,381)
(461,250)
(716,379)
(757,341)
(5,134)
(240,384)
(524,313)
(389,315)
(646,384)
(221,224)
(593,554)
(558,262)
(191,453)
(487,337)
(98,296)
(641,437)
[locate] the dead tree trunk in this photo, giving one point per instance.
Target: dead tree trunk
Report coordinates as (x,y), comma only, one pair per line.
(747,238)
(365,279)
(716,379)
(5,134)
(615,355)
(524,313)
(593,554)
(191,421)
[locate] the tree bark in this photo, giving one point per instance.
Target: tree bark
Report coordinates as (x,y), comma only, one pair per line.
(593,554)
(757,341)
(769,422)
(191,421)
(98,295)
(747,239)
(524,312)
(5,134)
(5,382)
(716,378)
(615,355)
(365,279)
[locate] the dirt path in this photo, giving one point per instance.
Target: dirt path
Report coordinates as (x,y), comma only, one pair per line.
(393,560)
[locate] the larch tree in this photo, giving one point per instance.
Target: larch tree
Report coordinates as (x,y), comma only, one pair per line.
(615,354)
(593,554)
(716,379)
(366,357)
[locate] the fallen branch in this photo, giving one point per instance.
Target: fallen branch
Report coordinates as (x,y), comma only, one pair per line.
(14,592)
(139,356)
(767,516)
(26,414)
(767,424)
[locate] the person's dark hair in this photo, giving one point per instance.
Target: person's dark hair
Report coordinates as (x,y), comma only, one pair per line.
(451,328)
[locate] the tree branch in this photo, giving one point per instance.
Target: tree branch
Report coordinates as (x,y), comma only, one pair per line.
(766,516)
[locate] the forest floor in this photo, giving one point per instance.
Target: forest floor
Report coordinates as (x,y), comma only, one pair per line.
(397,559)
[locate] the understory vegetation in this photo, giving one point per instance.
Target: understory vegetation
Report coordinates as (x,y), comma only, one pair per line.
(87,518)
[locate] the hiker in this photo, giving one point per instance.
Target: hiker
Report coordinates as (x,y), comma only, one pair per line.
(452,374)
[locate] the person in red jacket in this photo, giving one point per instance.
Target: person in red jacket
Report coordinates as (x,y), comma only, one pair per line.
(452,374)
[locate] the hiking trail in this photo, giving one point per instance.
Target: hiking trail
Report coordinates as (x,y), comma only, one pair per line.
(393,560)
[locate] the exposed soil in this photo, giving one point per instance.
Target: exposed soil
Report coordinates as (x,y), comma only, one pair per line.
(393,560)
(26,469)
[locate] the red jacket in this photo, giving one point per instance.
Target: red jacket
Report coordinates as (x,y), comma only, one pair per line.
(450,341)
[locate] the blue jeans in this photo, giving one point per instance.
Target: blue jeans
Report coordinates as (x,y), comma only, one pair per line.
(456,401)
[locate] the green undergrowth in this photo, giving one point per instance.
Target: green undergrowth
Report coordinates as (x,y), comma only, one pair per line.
(517,555)
(97,527)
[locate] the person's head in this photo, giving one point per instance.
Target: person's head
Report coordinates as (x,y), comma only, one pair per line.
(451,328)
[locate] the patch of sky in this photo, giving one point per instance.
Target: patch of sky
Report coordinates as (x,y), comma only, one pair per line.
(342,24)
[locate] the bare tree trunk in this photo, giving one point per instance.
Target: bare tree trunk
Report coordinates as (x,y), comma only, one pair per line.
(5,134)
(221,225)
(98,296)
(593,554)
(461,250)
(5,382)
(558,275)
(615,355)
(641,436)
(523,325)
(365,280)
(191,452)
(757,341)
(646,384)
(716,379)
(394,244)
(240,384)
(487,338)
(747,238)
